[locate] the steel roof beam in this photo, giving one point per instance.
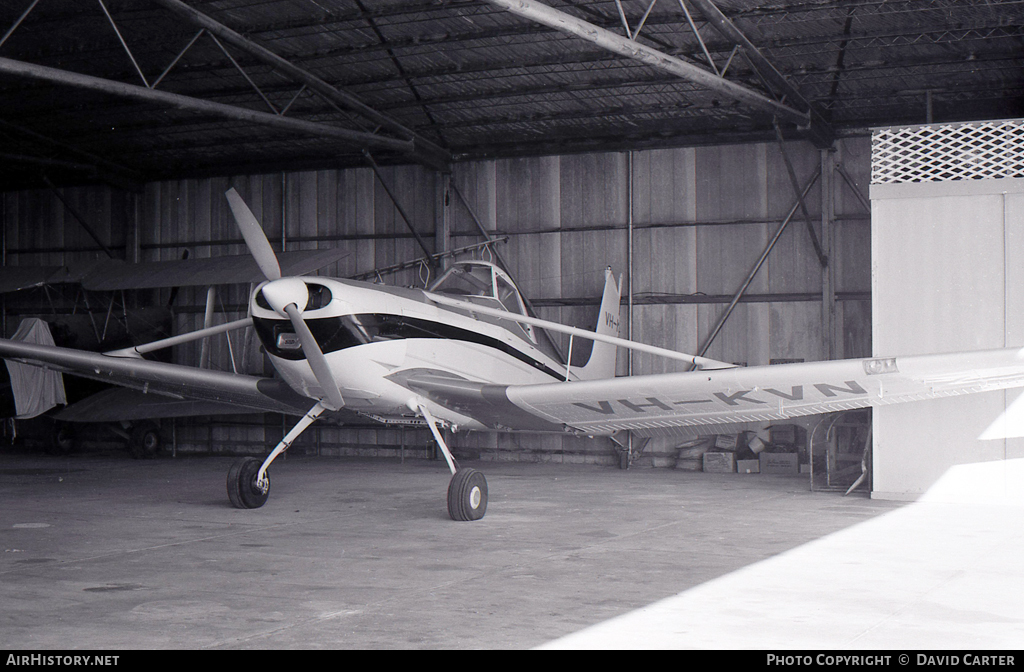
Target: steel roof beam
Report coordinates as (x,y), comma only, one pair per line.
(143,94)
(423,150)
(567,23)
(113,174)
(820,131)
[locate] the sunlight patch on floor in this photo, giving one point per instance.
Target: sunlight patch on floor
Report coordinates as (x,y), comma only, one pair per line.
(940,573)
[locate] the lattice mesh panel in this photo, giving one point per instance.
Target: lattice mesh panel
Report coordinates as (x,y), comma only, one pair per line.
(938,153)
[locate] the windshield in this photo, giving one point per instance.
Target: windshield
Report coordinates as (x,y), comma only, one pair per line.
(467,280)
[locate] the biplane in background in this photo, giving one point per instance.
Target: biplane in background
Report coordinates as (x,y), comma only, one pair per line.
(26,395)
(464,355)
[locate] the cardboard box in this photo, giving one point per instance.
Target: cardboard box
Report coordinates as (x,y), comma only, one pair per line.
(748,466)
(760,441)
(783,434)
(726,441)
(779,463)
(689,464)
(722,463)
(693,450)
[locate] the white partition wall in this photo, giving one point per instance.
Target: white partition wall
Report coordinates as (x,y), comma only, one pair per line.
(947,255)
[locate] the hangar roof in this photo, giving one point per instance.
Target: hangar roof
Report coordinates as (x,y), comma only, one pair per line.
(129,91)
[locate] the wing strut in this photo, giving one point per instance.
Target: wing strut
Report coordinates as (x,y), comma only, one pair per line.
(140,350)
(696,360)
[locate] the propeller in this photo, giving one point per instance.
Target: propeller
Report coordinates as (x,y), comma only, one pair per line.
(287,296)
(255,239)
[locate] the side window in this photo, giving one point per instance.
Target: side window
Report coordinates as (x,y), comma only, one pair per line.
(511,301)
(508,296)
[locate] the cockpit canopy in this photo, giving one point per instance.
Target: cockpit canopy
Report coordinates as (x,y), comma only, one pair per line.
(480,282)
(483,283)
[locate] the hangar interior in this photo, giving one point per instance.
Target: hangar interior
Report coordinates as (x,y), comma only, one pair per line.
(717,155)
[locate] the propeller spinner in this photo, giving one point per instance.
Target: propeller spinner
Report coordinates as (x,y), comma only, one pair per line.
(287,296)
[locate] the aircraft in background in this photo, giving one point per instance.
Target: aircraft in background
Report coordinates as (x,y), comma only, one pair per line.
(464,355)
(25,397)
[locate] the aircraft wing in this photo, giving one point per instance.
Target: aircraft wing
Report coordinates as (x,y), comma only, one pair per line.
(122,404)
(15,278)
(114,274)
(700,401)
(229,269)
(169,381)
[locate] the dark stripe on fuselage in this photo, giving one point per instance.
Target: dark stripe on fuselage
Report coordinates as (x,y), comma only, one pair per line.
(346,331)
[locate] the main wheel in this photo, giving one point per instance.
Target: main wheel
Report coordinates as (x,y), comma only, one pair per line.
(242,489)
(467,495)
(145,442)
(63,439)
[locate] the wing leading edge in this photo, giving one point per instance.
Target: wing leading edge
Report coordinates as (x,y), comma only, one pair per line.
(681,402)
(170,380)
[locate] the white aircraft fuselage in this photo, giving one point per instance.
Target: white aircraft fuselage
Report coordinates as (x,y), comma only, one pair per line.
(373,334)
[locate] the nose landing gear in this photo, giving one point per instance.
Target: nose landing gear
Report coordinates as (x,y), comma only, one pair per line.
(248,480)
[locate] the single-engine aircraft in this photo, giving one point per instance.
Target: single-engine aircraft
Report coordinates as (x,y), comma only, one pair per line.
(464,354)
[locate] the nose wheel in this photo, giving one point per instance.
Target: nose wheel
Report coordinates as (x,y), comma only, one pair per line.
(244,489)
(248,480)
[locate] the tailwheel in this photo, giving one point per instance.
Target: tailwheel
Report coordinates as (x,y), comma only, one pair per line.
(145,441)
(467,495)
(243,491)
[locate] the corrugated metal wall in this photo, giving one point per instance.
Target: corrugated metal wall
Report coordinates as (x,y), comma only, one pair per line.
(701,217)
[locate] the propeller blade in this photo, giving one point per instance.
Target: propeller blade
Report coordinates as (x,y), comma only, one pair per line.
(316,359)
(255,238)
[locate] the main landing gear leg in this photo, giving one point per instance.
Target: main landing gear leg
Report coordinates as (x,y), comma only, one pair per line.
(467,491)
(248,481)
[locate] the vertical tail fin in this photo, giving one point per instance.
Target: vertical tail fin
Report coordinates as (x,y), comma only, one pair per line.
(602,358)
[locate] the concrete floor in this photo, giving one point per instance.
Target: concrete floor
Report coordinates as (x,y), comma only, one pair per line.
(102,552)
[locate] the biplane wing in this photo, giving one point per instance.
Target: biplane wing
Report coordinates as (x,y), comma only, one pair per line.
(114,274)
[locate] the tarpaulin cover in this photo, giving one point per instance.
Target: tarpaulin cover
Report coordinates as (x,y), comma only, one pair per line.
(36,390)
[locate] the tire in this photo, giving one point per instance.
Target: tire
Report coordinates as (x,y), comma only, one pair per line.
(467,495)
(145,442)
(242,490)
(62,440)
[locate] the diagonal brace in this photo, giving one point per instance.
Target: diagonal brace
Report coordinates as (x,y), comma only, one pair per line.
(398,206)
(822,258)
(757,267)
(18,22)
